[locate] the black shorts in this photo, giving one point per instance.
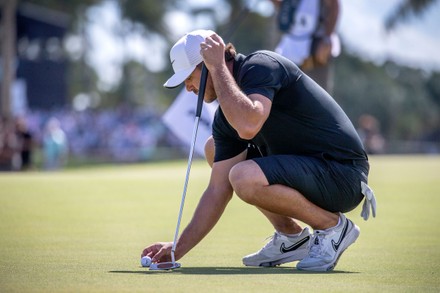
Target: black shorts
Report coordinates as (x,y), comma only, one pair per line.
(331,185)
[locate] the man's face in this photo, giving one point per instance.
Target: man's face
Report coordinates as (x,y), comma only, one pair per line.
(192,84)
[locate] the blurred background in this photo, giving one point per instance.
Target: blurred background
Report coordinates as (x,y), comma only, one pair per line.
(81,80)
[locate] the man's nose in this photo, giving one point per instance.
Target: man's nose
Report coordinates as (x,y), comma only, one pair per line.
(190,87)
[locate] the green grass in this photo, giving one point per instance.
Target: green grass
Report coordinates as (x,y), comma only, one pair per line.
(83,230)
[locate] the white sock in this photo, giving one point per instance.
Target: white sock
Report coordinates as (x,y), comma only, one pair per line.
(290,235)
(339,222)
(337,225)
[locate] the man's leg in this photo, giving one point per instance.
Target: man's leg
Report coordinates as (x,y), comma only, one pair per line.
(323,75)
(288,233)
(283,224)
(333,233)
(209,151)
(251,185)
(289,243)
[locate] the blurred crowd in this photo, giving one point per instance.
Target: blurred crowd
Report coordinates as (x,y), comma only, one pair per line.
(124,135)
(50,139)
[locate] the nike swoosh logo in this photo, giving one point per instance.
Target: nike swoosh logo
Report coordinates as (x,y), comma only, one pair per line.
(172,62)
(294,246)
(344,231)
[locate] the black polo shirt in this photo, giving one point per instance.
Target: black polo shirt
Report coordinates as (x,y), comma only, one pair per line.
(304,118)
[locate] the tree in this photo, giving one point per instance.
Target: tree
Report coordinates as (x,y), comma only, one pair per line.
(406,9)
(7,54)
(147,13)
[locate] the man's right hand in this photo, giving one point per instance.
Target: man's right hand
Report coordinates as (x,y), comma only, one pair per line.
(159,252)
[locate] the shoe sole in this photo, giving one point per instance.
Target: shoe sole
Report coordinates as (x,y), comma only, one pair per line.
(277,262)
(282,261)
(351,238)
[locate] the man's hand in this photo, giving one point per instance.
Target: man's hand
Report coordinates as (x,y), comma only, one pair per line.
(159,252)
(213,52)
(320,57)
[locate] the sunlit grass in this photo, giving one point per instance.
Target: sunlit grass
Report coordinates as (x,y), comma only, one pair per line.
(84,229)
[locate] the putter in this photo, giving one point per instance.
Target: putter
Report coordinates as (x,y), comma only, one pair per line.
(173,264)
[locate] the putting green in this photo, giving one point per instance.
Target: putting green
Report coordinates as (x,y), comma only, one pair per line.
(83,230)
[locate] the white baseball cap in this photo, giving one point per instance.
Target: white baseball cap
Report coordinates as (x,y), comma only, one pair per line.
(185,56)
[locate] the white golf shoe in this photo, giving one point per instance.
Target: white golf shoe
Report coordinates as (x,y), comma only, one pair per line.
(328,245)
(280,249)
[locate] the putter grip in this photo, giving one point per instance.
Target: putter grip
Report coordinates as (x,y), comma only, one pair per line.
(203,79)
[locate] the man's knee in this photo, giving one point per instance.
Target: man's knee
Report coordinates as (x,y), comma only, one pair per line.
(209,150)
(246,178)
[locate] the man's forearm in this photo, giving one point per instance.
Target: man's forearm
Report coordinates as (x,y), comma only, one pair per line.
(206,216)
(277,3)
(332,13)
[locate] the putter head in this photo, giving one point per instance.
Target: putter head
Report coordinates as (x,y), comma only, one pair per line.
(164,266)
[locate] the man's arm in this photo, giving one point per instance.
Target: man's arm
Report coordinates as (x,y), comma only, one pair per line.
(277,3)
(246,114)
(209,210)
(324,48)
(331,9)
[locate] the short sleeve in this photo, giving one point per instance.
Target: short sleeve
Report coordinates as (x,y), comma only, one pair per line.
(227,142)
(261,74)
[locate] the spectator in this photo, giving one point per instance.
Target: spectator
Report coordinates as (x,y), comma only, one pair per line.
(25,143)
(369,132)
(8,146)
(54,145)
(309,37)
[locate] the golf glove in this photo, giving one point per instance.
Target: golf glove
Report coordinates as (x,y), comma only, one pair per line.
(369,202)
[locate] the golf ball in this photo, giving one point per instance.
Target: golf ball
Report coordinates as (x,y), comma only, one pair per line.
(146,261)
